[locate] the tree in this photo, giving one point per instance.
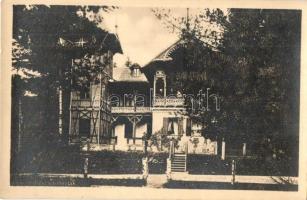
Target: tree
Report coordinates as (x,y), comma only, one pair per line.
(252,62)
(265,46)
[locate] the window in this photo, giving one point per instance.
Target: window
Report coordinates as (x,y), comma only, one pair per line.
(170,125)
(136,72)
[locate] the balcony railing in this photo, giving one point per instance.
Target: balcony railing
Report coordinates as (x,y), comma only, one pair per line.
(87,103)
(130,109)
(168,102)
(157,102)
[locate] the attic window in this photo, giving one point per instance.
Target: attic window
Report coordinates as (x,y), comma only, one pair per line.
(135,70)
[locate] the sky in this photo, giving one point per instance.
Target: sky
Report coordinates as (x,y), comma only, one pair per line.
(141,33)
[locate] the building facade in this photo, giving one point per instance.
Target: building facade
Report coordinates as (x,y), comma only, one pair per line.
(136,103)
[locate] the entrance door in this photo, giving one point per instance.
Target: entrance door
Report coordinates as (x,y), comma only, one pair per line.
(84,127)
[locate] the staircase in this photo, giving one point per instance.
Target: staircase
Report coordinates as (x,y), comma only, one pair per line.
(179,162)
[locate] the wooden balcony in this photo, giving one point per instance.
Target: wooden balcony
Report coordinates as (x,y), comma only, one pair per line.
(131,109)
(168,102)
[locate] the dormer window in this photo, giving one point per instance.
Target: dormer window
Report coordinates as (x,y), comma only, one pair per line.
(135,70)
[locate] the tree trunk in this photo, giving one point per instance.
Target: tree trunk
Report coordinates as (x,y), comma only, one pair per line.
(60,95)
(20,125)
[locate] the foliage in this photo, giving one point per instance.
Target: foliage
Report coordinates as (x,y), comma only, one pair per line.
(161,140)
(264,46)
(194,141)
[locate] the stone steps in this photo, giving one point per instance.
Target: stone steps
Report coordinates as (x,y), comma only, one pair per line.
(179,162)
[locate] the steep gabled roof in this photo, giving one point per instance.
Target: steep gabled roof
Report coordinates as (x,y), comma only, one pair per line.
(166,55)
(123,74)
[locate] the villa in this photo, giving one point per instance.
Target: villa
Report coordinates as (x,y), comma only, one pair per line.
(131,103)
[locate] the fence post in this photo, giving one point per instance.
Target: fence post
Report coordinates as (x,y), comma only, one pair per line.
(85,167)
(86,159)
(244,149)
(223,150)
(145,167)
(145,146)
(168,168)
(233,172)
(216,148)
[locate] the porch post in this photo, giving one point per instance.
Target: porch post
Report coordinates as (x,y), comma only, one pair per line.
(134,120)
(164,81)
(154,87)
